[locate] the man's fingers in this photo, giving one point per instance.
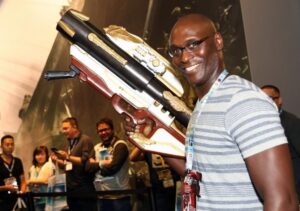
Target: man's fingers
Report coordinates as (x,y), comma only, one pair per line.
(127,119)
(143,125)
(141,121)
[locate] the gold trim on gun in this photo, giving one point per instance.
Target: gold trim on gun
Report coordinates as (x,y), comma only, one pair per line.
(69,30)
(97,41)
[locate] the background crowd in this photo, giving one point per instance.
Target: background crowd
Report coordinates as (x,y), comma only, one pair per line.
(88,168)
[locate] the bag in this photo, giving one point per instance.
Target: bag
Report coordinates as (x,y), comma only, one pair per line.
(39,201)
(56,183)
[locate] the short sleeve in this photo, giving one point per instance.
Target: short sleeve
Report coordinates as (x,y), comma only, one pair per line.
(253,122)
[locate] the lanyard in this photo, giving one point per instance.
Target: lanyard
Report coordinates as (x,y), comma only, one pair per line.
(72,144)
(10,169)
(36,171)
(203,101)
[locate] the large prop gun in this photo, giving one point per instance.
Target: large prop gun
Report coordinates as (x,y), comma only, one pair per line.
(137,80)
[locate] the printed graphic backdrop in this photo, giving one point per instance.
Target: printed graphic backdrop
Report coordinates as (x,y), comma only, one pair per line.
(54,100)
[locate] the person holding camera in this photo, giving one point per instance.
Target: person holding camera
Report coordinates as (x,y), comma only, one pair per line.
(81,192)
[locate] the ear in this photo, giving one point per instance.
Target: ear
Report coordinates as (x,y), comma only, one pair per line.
(280,101)
(218,41)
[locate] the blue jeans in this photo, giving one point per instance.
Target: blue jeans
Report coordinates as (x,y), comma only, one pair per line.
(122,204)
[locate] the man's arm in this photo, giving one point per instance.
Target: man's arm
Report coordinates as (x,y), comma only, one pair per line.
(120,155)
(23,184)
(272,175)
(86,148)
(252,120)
(92,165)
(58,161)
(63,155)
(136,155)
(11,188)
(177,165)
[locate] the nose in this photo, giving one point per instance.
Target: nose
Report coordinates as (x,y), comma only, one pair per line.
(186,54)
(102,132)
(183,58)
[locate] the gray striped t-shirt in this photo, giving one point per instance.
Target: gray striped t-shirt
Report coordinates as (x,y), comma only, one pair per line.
(237,121)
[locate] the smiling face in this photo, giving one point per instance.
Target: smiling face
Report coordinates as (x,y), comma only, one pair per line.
(105,132)
(200,56)
(69,131)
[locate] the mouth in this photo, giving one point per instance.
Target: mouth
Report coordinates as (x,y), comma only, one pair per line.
(191,68)
(104,138)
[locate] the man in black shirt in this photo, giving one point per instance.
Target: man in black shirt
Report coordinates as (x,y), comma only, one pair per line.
(79,182)
(12,177)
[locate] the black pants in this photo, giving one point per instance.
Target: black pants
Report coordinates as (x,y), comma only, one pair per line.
(164,199)
(82,199)
(8,202)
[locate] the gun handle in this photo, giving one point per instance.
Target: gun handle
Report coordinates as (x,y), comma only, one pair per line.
(165,140)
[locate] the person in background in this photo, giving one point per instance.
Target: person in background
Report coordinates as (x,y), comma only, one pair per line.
(237,156)
(111,165)
(41,170)
(163,179)
(12,179)
(80,188)
(291,126)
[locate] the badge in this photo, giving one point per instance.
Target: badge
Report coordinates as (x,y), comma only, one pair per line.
(190,190)
(69,166)
(165,176)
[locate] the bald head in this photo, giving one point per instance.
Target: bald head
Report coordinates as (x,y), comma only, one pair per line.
(192,22)
(195,47)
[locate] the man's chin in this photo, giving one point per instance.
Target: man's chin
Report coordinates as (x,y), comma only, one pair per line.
(106,141)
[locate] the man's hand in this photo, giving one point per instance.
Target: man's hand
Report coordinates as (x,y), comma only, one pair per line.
(105,163)
(53,157)
(61,154)
(11,188)
(143,126)
(93,161)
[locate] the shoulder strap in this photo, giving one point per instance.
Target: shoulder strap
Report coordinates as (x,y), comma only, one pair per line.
(120,142)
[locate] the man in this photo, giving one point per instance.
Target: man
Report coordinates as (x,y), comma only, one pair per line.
(112,164)
(291,125)
(234,139)
(12,177)
(80,187)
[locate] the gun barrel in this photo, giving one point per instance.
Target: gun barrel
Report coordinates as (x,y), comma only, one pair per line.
(77,29)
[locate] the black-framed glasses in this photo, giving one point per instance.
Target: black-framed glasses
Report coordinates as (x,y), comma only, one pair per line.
(189,47)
